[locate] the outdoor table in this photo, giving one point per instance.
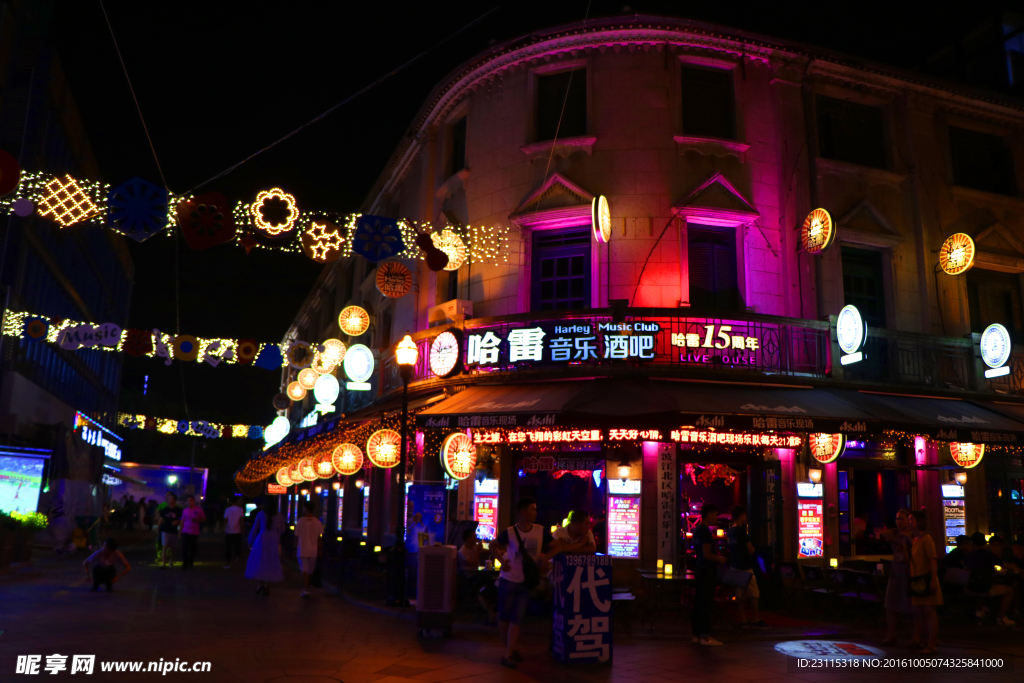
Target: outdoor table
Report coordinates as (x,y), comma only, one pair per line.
(661,589)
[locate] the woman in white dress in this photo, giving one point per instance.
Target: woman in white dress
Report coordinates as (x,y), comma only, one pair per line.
(264,563)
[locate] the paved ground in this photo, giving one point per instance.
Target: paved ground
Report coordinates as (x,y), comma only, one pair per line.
(212,614)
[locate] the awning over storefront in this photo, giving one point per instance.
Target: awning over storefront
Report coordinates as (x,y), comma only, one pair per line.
(616,403)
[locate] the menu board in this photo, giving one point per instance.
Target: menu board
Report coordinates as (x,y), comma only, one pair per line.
(956,520)
(810,530)
(485,512)
(366,511)
(624,526)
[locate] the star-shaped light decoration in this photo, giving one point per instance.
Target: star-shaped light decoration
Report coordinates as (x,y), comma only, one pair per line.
(322,241)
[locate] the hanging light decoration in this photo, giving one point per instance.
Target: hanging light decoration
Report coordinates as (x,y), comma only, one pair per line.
(307,378)
(354,320)
(324,467)
(296,391)
(452,245)
(347,459)
(306,469)
(334,351)
(283,477)
(383,448)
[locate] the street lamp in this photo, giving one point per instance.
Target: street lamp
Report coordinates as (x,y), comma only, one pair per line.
(406,355)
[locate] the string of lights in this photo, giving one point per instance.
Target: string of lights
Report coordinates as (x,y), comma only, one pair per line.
(194,428)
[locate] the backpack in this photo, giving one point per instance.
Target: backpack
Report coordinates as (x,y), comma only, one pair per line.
(531,572)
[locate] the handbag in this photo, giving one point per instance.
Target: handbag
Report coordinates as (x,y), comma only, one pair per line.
(919,586)
(531,572)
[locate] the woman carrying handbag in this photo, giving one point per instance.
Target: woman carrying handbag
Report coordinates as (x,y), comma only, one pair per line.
(923,587)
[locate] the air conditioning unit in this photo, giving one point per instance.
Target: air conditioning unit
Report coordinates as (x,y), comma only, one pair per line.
(454,311)
(435,588)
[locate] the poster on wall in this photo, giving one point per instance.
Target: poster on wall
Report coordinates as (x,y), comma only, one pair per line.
(425,510)
(20,481)
(485,512)
(624,526)
(811,528)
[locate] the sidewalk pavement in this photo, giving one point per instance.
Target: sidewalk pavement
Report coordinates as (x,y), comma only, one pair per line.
(212,614)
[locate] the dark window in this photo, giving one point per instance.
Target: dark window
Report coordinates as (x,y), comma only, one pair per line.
(995,298)
(843,486)
(708,109)
(385,331)
(712,260)
(453,285)
(561,270)
(863,285)
(981,161)
(562,97)
(851,132)
(458,130)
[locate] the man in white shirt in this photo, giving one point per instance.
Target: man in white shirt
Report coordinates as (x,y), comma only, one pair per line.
(308,532)
(234,515)
(525,538)
(576,538)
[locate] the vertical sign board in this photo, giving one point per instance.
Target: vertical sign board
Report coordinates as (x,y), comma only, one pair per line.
(341,509)
(425,522)
(810,532)
(954,514)
(366,512)
(582,589)
(624,526)
(486,515)
(667,524)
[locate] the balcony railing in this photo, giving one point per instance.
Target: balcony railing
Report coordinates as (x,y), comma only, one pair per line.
(893,357)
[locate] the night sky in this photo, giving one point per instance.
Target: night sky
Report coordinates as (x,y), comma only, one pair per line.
(218,81)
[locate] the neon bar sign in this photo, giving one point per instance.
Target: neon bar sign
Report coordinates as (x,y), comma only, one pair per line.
(538,436)
(732,439)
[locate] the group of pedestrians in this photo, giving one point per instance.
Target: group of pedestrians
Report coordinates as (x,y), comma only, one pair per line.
(264,565)
(914,588)
(128,514)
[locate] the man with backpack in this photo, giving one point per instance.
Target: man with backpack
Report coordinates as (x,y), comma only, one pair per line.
(521,549)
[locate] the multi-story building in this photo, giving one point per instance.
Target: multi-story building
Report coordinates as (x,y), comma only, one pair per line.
(81,273)
(686,347)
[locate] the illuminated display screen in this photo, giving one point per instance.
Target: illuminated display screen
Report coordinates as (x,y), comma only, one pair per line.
(624,526)
(366,510)
(20,481)
(810,529)
(485,512)
(806,489)
(956,520)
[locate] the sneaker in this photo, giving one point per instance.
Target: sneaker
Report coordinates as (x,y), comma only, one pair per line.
(758,624)
(1005,621)
(710,642)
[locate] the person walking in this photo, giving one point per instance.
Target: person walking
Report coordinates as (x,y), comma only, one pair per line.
(708,560)
(309,533)
(157,521)
(741,556)
(233,529)
(192,519)
(897,599)
(104,565)
(925,591)
(264,563)
(525,544)
(170,520)
(141,517)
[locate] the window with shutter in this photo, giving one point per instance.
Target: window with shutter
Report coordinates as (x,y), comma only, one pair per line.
(707,103)
(981,161)
(864,285)
(562,105)
(850,132)
(561,270)
(712,268)
(994,297)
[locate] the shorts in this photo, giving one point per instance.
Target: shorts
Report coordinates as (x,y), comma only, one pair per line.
(751,591)
(513,600)
(168,539)
(307,565)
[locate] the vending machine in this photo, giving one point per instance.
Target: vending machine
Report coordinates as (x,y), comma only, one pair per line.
(953,513)
(810,520)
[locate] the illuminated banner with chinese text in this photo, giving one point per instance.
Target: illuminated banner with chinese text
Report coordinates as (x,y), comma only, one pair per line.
(732,439)
(582,591)
(810,528)
(485,512)
(624,526)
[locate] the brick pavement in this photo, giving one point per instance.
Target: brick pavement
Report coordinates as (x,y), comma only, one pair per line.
(212,614)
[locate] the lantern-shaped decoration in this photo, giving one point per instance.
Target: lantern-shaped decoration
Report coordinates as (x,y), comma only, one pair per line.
(334,351)
(281,401)
(458,455)
(284,477)
(818,232)
(956,256)
(601,219)
(322,241)
(326,390)
(354,320)
(300,355)
(826,447)
(295,473)
(383,448)
(322,362)
(307,470)
(452,245)
(307,378)
(274,212)
(967,455)
(296,391)
(324,467)
(347,459)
